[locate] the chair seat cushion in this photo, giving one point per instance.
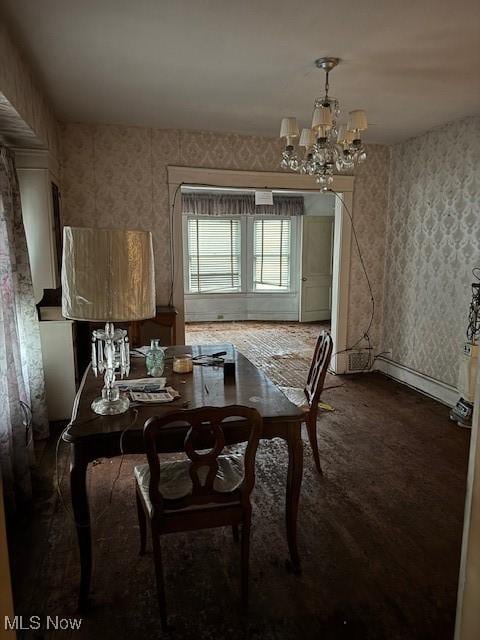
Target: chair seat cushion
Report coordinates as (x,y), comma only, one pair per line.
(297,397)
(175,481)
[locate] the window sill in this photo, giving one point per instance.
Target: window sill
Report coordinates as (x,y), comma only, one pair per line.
(243,294)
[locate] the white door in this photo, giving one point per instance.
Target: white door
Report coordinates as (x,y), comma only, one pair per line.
(316,268)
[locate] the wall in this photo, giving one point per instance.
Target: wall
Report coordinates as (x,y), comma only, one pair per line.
(116,175)
(319,204)
(467,623)
(433,241)
(369,213)
(21,89)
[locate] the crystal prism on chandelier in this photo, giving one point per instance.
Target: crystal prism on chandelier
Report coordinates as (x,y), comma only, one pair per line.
(328,146)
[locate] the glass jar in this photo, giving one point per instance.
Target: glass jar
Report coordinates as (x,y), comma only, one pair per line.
(182,364)
(155,359)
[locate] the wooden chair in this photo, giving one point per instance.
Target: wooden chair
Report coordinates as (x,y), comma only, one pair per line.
(309,397)
(203,491)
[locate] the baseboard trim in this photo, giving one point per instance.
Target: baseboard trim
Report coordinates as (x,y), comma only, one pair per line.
(435,389)
(242,317)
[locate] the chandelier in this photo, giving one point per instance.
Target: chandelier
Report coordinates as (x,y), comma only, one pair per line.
(328,146)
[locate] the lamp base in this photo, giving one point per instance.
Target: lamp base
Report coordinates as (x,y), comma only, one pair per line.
(105,407)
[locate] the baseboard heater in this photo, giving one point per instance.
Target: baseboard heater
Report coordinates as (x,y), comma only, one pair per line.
(431,387)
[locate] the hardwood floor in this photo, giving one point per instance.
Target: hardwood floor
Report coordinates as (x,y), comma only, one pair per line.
(282,349)
(379,533)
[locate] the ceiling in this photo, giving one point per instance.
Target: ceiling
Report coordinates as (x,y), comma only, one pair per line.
(241,65)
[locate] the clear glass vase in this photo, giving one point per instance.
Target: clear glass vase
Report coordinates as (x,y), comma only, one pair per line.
(155,359)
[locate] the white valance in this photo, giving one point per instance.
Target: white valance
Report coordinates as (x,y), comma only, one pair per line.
(243,204)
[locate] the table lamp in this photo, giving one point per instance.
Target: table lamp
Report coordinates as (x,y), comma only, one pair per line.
(108,276)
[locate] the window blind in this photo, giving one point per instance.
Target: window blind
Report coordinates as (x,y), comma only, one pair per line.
(214,263)
(271,255)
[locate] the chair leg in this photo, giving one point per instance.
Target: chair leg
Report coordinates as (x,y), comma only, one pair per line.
(235,532)
(312,436)
(245,553)
(157,557)
(142,523)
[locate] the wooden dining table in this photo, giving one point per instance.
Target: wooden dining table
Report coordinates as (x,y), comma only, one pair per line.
(92,436)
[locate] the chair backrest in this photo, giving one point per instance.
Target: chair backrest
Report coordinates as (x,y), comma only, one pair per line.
(203,444)
(318,368)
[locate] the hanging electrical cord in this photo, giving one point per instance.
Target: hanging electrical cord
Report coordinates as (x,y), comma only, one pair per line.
(366,333)
(58,480)
(172,245)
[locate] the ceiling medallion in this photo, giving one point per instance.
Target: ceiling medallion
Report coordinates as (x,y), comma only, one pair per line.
(328,146)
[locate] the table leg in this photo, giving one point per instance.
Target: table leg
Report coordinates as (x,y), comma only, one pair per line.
(81,511)
(294,482)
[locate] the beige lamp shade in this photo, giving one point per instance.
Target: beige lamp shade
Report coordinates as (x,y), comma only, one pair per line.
(322,117)
(344,135)
(107,275)
(357,120)
(289,128)
(307,138)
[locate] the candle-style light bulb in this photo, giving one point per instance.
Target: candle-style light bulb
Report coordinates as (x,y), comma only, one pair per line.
(94,357)
(101,361)
(122,357)
(127,357)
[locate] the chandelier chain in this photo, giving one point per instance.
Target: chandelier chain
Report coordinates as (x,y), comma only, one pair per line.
(327,86)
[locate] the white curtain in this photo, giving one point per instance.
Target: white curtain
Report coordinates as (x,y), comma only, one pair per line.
(230,204)
(23,413)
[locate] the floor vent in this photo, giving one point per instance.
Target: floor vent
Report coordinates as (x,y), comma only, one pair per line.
(358,361)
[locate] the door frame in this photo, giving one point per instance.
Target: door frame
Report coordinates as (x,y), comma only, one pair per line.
(194,176)
(467,621)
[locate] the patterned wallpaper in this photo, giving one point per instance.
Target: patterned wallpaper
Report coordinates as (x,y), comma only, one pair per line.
(369,214)
(20,88)
(116,175)
(433,241)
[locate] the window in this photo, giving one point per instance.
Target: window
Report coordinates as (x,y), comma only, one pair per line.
(214,262)
(271,255)
(238,254)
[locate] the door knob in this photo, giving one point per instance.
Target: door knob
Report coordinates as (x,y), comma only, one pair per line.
(304,279)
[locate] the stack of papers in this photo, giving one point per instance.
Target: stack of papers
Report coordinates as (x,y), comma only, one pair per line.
(142,384)
(148,390)
(161,396)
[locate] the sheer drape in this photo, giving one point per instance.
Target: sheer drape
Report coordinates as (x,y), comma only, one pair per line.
(23,412)
(230,204)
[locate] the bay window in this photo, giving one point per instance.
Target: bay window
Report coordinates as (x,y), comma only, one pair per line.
(238,254)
